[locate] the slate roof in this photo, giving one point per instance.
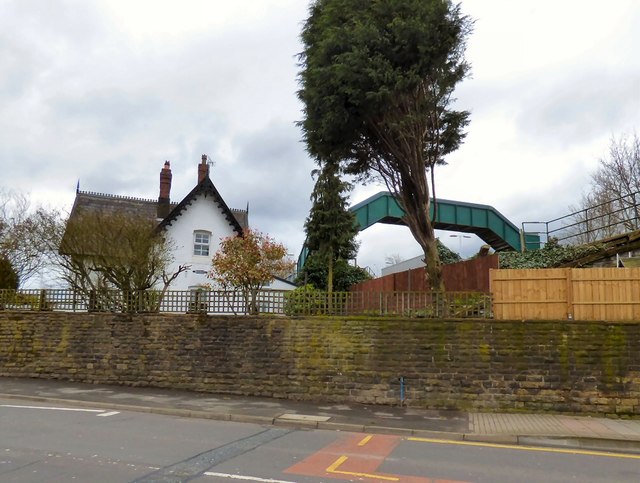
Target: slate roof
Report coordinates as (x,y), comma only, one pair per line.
(87,201)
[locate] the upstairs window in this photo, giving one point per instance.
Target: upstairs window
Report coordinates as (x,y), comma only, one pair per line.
(201,241)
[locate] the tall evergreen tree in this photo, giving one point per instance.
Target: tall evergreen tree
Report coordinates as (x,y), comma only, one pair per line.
(377,84)
(330,226)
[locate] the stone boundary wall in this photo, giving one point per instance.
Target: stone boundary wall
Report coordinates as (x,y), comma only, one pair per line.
(558,366)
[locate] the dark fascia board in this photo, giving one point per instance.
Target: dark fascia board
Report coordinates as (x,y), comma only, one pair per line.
(285,281)
(207,188)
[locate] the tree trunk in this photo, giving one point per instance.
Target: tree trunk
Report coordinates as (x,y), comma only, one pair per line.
(415,201)
(433,266)
(330,284)
(253,309)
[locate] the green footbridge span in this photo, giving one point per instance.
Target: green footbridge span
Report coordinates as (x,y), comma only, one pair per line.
(482,220)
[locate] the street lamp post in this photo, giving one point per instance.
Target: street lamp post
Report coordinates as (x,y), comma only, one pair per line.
(460,237)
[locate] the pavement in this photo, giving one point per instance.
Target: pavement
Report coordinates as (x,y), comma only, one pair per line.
(557,430)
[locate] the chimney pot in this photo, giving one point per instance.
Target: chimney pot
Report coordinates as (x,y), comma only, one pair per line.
(203,169)
(164,200)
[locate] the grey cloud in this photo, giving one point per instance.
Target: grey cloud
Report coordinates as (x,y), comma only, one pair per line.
(18,69)
(112,113)
(109,175)
(135,171)
(40,37)
(580,107)
(73,20)
(273,173)
(558,109)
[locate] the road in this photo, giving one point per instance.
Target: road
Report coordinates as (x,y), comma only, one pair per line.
(41,443)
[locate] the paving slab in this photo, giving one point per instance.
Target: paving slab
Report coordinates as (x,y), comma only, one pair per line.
(554,425)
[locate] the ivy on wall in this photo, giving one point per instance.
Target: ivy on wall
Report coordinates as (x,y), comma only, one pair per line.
(550,256)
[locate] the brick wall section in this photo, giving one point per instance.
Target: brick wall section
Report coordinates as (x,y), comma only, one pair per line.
(587,367)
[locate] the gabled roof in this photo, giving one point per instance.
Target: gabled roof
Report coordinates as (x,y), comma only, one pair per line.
(207,188)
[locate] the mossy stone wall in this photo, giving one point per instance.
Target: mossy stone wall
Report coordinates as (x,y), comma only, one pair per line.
(585,367)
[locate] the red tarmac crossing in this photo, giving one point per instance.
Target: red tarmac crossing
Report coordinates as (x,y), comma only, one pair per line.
(359,456)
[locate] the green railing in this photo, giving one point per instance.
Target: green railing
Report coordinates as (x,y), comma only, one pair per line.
(279,302)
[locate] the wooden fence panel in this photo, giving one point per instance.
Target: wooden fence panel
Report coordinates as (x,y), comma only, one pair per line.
(529,294)
(566,293)
(606,293)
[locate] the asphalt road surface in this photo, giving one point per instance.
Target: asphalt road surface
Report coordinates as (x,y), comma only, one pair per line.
(41,443)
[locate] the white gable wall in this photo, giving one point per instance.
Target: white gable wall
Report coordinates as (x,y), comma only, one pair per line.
(202,214)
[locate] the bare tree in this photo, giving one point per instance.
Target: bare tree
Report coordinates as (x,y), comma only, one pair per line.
(25,234)
(100,251)
(612,206)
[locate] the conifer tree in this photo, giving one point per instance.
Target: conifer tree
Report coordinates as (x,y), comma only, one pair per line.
(330,226)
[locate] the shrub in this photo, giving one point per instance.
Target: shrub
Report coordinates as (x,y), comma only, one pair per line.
(8,276)
(305,300)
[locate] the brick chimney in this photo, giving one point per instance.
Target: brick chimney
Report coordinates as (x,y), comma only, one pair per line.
(164,201)
(203,169)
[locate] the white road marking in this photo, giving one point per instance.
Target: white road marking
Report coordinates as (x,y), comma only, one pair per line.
(245,478)
(53,409)
(111,413)
(304,417)
(101,412)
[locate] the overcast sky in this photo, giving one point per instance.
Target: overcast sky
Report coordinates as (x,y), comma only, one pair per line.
(104,91)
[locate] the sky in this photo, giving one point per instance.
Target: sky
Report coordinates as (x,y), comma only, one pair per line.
(102,92)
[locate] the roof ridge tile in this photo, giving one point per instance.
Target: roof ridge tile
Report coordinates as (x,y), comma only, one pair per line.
(119,197)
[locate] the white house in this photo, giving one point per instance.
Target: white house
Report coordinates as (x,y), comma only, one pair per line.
(196,224)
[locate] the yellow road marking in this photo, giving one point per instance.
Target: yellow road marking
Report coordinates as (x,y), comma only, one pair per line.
(365,440)
(336,464)
(528,448)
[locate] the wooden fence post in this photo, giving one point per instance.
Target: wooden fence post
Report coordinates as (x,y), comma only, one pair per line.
(569,282)
(93,301)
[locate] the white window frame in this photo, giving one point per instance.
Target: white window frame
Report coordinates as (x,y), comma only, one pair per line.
(200,245)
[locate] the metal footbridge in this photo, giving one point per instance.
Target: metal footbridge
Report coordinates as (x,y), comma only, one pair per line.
(482,220)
